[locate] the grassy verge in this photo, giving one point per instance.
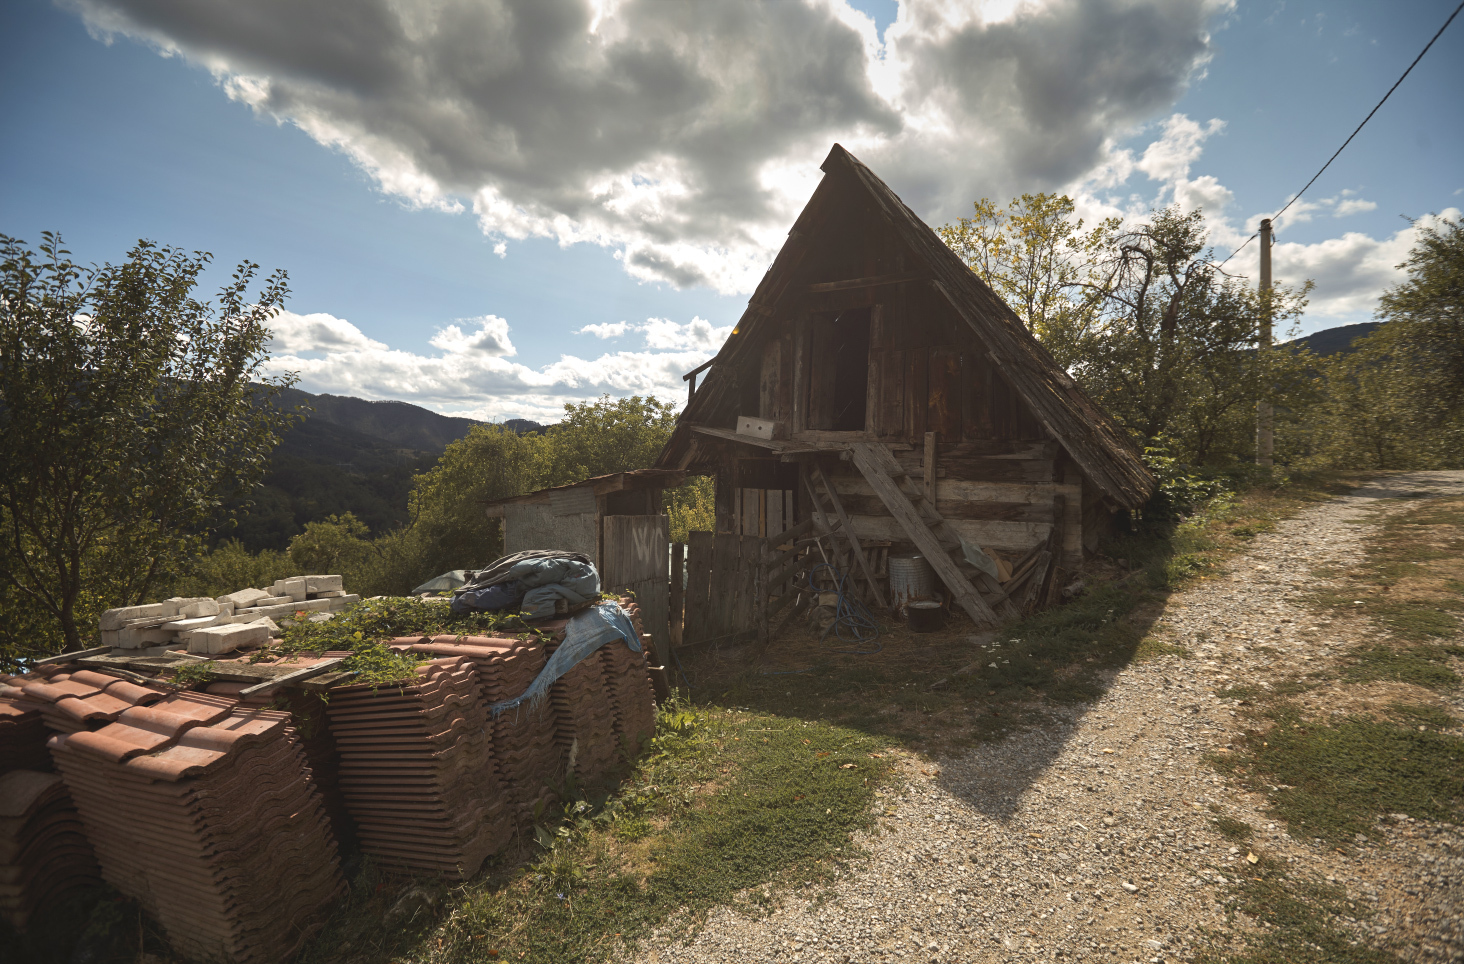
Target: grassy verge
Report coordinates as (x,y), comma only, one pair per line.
(725,804)
(1413,580)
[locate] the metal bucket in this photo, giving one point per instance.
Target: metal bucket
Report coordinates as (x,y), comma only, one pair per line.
(924,616)
(911,579)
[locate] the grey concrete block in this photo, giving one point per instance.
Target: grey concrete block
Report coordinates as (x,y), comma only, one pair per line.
(339,603)
(114,619)
(244,598)
(320,584)
(226,639)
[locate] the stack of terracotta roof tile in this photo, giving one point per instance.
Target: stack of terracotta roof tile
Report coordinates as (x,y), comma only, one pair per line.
(418,772)
(528,757)
(206,814)
(584,718)
(83,700)
(43,847)
(628,680)
(22,730)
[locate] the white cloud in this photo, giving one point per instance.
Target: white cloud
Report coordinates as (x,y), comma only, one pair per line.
(610,329)
(1353,206)
(685,136)
(473,375)
(662,334)
(491,338)
(294,333)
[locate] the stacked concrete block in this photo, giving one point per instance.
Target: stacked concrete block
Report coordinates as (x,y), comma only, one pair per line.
(206,814)
(44,851)
(181,622)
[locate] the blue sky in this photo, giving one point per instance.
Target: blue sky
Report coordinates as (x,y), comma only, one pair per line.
(487,236)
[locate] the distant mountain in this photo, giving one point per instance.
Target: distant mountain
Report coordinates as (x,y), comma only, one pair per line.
(1329,341)
(348,455)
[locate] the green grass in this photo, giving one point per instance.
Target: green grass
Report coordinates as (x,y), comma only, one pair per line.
(1333,781)
(1419,665)
(1232,829)
(725,803)
(1422,714)
(1299,921)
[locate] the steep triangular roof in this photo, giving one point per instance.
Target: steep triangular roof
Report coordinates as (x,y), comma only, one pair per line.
(1103,452)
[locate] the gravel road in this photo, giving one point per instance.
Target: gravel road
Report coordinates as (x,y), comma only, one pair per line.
(1089,838)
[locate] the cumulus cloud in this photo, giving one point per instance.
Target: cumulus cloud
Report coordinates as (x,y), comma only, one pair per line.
(293,334)
(490,338)
(684,136)
(472,373)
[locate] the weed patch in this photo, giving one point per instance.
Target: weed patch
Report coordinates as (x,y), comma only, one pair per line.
(1299,921)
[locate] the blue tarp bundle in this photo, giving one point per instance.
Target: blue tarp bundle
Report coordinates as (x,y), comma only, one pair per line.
(540,577)
(586,632)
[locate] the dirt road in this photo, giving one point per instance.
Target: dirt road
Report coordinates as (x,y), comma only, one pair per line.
(1094,838)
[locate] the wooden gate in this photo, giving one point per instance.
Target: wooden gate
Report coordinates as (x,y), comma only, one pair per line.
(735,584)
(637,557)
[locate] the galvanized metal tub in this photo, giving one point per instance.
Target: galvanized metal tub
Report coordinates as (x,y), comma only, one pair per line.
(911,579)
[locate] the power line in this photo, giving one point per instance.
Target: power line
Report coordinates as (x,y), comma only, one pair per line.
(1297,196)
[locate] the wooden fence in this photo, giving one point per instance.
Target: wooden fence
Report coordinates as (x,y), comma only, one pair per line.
(737,585)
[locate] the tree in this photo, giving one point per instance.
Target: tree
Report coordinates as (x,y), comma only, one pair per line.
(130,413)
(1397,400)
(606,435)
(1143,319)
(1035,255)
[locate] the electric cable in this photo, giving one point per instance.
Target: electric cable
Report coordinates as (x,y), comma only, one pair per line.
(853,622)
(1297,196)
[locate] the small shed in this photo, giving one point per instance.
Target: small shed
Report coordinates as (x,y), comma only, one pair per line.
(617,520)
(877,397)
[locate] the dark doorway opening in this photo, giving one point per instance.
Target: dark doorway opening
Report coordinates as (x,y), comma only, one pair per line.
(839,386)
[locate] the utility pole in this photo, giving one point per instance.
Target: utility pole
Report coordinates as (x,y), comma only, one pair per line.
(1265,440)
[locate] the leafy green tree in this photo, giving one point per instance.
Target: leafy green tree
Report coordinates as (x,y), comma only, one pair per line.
(606,435)
(1035,255)
(1143,319)
(130,413)
(1397,400)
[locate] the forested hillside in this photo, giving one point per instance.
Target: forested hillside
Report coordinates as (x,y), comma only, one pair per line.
(348,455)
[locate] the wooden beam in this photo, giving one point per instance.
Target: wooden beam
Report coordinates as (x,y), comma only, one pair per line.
(74,656)
(676,603)
(853,539)
(299,676)
(874,471)
(873,281)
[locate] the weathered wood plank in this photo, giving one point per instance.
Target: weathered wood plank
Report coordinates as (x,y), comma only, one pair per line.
(892,399)
(952,511)
(699,552)
(1004,536)
(917,400)
(987,470)
(869,282)
(943,410)
(962,490)
(868,463)
(676,600)
(767,386)
(927,467)
(800,373)
(724,588)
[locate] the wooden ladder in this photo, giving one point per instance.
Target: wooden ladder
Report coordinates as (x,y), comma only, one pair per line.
(936,539)
(844,526)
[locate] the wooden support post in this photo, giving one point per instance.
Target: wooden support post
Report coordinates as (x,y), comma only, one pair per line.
(676,607)
(929,467)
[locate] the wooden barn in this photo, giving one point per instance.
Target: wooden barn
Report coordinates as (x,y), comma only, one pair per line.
(877,399)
